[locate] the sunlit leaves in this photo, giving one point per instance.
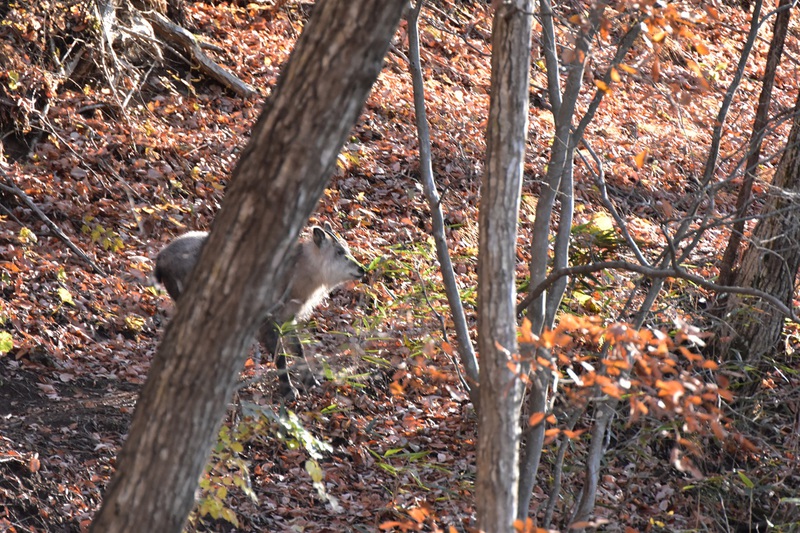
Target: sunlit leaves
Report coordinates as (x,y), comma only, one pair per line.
(640,158)
(65,296)
(653,371)
(6,342)
(26,236)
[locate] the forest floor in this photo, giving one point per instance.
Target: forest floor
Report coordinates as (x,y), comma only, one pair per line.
(123,170)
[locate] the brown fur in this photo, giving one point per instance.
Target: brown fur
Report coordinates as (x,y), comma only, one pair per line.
(316,266)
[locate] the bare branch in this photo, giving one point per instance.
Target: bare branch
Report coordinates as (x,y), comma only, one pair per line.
(655,273)
(12,188)
(188,41)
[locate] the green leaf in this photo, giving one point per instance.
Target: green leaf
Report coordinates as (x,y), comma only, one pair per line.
(65,296)
(313,469)
(393,451)
(581,297)
(26,236)
(13,80)
(746,480)
(602,222)
(6,342)
(229,515)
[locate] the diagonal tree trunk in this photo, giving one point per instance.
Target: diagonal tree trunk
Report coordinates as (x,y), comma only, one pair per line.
(275,186)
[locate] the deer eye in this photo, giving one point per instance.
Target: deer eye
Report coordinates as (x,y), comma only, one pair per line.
(339,252)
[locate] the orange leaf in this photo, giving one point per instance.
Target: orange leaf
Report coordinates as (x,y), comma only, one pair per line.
(718,430)
(614,75)
(548,337)
(536,419)
(602,86)
(418,514)
(525,333)
(34,464)
(640,158)
(573,434)
(447,348)
(690,355)
(671,389)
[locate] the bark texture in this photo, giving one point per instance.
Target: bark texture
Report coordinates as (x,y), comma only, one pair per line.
(275,186)
(771,261)
(745,197)
(500,386)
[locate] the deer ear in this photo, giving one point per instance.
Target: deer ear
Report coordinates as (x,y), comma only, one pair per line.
(319,236)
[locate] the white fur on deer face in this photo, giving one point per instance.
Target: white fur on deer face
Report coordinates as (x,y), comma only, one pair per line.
(321,263)
(333,258)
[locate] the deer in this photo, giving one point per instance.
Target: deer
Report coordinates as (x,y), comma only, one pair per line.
(316,265)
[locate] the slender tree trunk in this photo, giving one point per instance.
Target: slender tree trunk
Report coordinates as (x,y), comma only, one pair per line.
(465,348)
(500,386)
(745,197)
(541,312)
(275,186)
(771,261)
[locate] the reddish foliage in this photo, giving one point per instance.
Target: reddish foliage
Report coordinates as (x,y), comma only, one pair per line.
(121,183)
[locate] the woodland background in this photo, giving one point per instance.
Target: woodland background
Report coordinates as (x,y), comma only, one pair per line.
(122,151)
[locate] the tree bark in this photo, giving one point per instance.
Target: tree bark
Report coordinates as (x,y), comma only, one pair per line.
(465,348)
(541,311)
(275,186)
(745,197)
(500,385)
(771,261)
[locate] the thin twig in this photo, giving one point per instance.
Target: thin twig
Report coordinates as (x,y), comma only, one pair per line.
(443,326)
(12,188)
(655,273)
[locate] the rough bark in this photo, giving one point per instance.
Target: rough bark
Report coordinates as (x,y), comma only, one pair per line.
(275,186)
(745,197)
(500,386)
(771,260)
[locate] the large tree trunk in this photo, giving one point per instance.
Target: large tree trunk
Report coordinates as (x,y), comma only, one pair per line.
(500,386)
(771,261)
(275,186)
